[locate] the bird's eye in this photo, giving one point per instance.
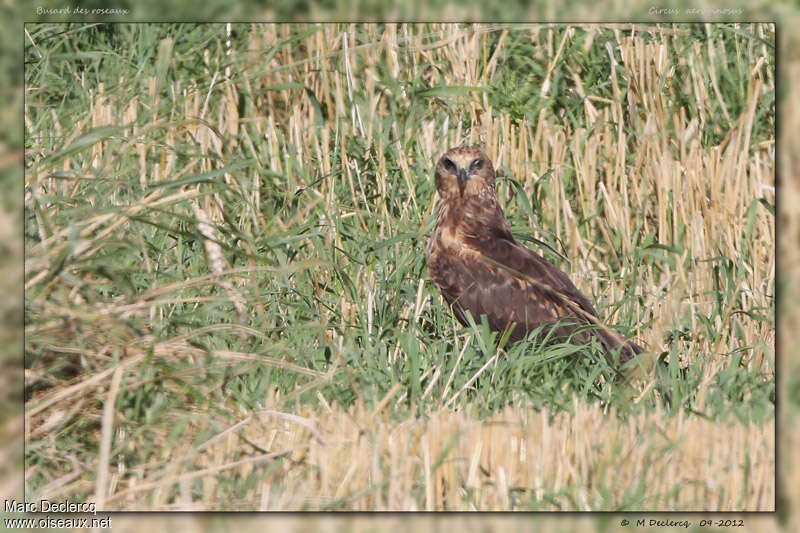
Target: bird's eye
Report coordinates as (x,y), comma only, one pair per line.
(476,164)
(449,165)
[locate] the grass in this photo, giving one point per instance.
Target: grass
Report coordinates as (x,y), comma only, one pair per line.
(227,221)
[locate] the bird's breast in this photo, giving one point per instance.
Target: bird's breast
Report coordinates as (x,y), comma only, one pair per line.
(450,241)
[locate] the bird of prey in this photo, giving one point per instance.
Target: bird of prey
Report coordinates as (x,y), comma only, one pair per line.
(479,267)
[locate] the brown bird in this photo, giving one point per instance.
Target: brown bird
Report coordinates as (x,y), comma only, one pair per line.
(479,267)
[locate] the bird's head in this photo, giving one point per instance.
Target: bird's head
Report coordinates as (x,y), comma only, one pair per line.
(464,171)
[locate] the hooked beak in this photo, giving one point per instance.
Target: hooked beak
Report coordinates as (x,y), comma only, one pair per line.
(462,179)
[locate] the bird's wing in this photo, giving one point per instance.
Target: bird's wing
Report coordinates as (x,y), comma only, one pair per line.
(511,284)
(552,290)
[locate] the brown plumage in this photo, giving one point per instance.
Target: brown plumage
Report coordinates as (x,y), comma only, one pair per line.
(479,267)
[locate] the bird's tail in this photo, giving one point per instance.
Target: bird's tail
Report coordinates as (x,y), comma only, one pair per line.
(613,341)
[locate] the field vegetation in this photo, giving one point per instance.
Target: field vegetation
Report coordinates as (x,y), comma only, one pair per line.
(227,301)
